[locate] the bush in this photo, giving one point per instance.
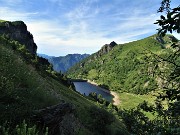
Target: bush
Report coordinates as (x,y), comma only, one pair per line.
(22,129)
(100,120)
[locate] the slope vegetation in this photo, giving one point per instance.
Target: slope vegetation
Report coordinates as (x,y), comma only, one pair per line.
(124,68)
(31,90)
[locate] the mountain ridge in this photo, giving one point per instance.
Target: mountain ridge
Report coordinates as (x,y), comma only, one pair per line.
(63,63)
(31,93)
(122,68)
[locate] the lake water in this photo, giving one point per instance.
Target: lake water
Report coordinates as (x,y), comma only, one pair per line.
(87,88)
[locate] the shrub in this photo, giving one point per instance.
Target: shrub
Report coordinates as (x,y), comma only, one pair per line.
(22,129)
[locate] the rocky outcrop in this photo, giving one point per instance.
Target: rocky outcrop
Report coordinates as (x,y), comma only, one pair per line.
(18,31)
(168,39)
(160,39)
(106,48)
(59,119)
(172,38)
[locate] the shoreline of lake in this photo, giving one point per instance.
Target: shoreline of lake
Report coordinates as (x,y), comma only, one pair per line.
(116,100)
(94,83)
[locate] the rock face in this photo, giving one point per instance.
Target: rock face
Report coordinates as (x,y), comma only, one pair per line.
(106,48)
(59,119)
(18,31)
(168,39)
(159,39)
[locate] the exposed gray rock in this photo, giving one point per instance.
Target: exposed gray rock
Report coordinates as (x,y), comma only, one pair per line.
(18,31)
(172,38)
(106,48)
(159,39)
(59,119)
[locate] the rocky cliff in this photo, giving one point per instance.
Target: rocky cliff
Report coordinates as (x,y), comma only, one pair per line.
(18,31)
(106,48)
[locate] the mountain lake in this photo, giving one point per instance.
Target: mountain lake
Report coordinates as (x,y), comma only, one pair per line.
(86,88)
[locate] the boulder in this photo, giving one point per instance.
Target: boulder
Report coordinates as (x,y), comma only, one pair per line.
(60,119)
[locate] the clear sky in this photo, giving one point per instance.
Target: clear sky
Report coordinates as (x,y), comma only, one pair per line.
(63,27)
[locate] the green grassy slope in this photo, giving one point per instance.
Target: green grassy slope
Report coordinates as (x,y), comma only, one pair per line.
(129,100)
(23,89)
(124,68)
(2,20)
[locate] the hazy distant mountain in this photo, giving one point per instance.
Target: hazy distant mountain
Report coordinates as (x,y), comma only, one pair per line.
(45,56)
(63,63)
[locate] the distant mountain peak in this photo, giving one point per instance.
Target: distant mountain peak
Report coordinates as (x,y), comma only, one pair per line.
(113,43)
(63,63)
(122,67)
(106,48)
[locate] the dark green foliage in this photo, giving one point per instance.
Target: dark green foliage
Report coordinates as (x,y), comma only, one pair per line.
(163,123)
(19,86)
(124,68)
(100,120)
(16,23)
(29,83)
(98,98)
(22,87)
(22,129)
(93,95)
(171,22)
(166,67)
(39,63)
(136,122)
(166,117)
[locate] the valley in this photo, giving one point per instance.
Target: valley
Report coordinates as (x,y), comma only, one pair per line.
(33,94)
(124,71)
(126,88)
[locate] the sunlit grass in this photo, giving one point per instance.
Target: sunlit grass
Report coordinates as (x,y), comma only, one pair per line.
(129,101)
(2,21)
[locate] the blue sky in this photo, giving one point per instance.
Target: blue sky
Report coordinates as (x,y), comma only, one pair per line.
(63,27)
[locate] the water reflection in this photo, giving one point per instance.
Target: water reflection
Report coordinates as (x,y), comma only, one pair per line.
(86,88)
